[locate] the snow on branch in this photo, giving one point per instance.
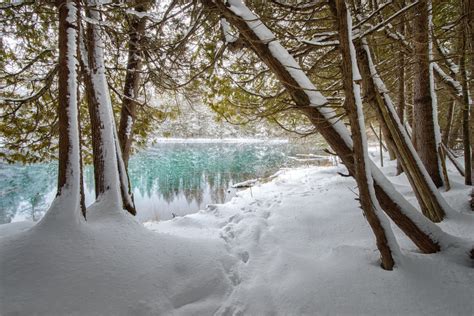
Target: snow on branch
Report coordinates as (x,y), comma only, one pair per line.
(448,79)
(229,37)
(387,21)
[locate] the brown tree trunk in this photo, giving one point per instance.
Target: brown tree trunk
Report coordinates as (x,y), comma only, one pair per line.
(428,198)
(392,154)
(449,122)
(467,7)
(457,126)
(69,201)
(391,201)
(132,79)
(401,84)
(424,131)
(106,155)
(352,103)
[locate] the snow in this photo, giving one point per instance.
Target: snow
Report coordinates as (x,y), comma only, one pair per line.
(123,175)
(385,23)
(452,66)
(453,83)
(139,14)
(111,268)
(434,98)
(282,55)
(228,36)
(128,130)
(278,51)
(65,209)
(317,42)
(377,209)
(380,86)
(291,65)
(445,77)
(355,69)
(296,245)
(110,148)
(245,184)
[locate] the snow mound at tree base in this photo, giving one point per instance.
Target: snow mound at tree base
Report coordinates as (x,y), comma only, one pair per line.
(112,267)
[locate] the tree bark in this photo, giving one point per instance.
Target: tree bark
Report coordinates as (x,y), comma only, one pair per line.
(106,151)
(392,155)
(465,89)
(68,206)
(401,84)
(334,133)
(353,106)
(424,131)
(449,122)
(431,202)
(455,129)
(132,79)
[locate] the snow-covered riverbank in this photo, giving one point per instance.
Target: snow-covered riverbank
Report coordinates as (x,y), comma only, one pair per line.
(296,245)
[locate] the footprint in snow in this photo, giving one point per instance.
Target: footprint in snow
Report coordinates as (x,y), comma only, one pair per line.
(244,256)
(235,218)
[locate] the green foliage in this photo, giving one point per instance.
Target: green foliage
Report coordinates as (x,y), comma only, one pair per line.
(184,55)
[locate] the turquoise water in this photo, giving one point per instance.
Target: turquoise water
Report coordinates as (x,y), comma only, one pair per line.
(169,179)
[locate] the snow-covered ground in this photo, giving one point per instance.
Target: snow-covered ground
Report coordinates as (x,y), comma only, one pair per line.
(298,245)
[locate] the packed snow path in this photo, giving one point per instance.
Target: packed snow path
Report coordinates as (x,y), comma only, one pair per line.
(304,248)
(298,245)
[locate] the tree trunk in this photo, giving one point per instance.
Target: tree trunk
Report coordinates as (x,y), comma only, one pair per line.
(401,84)
(299,87)
(68,205)
(132,79)
(424,131)
(457,126)
(107,156)
(449,122)
(431,202)
(353,106)
(392,155)
(465,89)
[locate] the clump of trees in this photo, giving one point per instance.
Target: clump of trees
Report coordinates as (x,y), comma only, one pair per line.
(304,66)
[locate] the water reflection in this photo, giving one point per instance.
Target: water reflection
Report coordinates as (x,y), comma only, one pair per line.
(25,190)
(168,179)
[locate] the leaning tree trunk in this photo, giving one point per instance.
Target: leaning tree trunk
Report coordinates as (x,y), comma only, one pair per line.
(132,79)
(68,206)
(431,202)
(261,40)
(111,182)
(353,106)
(424,132)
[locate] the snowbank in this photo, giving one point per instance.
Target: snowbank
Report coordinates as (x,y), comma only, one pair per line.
(113,267)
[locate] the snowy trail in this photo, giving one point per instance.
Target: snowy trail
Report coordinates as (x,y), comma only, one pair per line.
(303,247)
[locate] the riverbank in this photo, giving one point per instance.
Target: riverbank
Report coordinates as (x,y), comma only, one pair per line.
(176,176)
(296,245)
